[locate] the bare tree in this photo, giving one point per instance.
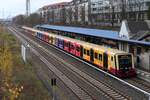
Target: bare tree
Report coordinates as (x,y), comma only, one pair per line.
(63,15)
(148,13)
(75,11)
(89,12)
(123,9)
(20,19)
(69,15)
(83,14)
(139,4)
(130,8)
(134,8)
(112,12)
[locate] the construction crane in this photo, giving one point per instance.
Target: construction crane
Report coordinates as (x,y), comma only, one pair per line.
(27,7)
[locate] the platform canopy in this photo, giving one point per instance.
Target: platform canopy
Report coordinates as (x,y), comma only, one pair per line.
(113,35)
(84,31)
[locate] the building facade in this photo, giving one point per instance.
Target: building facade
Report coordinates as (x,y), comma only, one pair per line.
(54,13)
(97,12)
(114,11)
(77,12)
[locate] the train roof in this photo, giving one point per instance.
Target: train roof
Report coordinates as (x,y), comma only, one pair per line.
(31,29)
(113,35)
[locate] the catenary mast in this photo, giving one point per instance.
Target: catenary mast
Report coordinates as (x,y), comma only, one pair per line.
(27,7)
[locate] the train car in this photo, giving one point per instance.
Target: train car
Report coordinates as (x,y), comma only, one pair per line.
(39,35)
(46,37)
(86,52)
(66,45)
(30,30)
(98,57)
(61,43)
(56,41)
(105,58)
(116,62)
(72,48)
(52,39)
(78,51)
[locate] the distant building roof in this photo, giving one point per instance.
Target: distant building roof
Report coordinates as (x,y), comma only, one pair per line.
(137,26)
(113,35)
(55,5)
(134,30)
(138,29)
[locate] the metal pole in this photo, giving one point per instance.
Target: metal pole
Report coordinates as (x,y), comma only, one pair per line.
(53,83)
(27,7)
(53,93)
(149,63)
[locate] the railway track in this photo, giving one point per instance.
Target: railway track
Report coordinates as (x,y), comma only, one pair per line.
(78,91)
(135,81)
(104,88)
(60,91)
(139,83)
(83,95)
(100,86)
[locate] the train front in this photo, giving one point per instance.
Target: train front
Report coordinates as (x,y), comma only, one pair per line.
(125,64)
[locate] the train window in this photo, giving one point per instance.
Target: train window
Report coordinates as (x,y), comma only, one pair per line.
(88,52)
(62,42)
(68,44)
(139,50)
(100,57)
(78,49)
(84,51)
(72,46)
(65,44)
(96,55)
(111,58)
(125,62)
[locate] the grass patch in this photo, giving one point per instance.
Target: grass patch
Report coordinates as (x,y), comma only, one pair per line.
(23,75)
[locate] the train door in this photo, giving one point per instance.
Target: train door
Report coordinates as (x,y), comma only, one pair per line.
(62,44)
(69,46)
(105,61)
(115,64)
(81,51)
(92,55)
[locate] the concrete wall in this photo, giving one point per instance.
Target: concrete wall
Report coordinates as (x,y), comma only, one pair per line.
(145,60)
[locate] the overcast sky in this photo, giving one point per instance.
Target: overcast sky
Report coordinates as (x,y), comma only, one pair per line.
(10,8)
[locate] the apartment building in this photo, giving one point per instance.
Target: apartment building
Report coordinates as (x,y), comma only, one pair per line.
(117,10)
(96,12)
(54,13)
(77,12)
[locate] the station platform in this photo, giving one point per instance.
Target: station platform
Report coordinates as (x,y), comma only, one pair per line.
(143,74)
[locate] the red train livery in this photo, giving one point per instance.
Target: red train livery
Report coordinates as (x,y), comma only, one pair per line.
(116,62)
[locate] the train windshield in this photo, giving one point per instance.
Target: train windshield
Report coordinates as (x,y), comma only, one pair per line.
(125,62)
